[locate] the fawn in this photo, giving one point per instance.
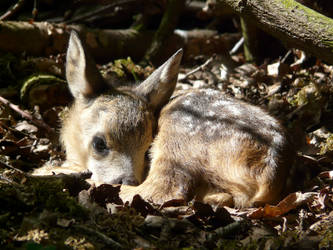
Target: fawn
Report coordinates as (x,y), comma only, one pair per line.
(204,144)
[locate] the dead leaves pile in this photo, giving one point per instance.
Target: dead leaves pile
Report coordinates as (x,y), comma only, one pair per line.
(24,145)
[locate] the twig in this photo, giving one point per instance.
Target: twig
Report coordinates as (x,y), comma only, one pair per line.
(72,176)
(12,10)
(201,67)
(105,9)
(74,182)
(237,46)
(6,179)
(100,235)
(26,115)
(13,168)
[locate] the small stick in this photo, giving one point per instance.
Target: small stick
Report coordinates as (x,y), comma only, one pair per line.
(106,8)
(13,168)
(105,238)
(12,10)
(237,46)
(201,67)
(26,115)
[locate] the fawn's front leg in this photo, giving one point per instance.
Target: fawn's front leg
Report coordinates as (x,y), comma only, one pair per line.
(166,181)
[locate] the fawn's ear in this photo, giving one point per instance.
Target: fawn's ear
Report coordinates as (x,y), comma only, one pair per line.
(83,77)
(159,86)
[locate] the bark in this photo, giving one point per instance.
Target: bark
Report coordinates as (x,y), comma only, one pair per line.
(292,23)
(166,28)
(251,48)
(41,38)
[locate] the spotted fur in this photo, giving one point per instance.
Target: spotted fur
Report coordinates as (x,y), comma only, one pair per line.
(207,146)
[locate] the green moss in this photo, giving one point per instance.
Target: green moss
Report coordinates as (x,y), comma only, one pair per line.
(327,241)
(327,146)
(127,70)
(313,16)
(308,94)
(50,195)
(37,80)
(44,90)
(328,44)
(292,4)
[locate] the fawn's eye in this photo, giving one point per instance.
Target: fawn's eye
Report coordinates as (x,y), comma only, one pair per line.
(99,145)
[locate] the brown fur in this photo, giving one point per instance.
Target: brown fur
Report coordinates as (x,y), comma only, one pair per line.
(208,146)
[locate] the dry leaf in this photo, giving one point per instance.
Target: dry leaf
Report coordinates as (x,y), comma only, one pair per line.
(277,69)
(290,202)
(326,174)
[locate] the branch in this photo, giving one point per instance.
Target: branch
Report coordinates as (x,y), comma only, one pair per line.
(43,39)
(201,67)
(292,23)
(27,115)
(13,10)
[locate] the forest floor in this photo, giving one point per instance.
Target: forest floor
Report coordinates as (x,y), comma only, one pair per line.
(63,211)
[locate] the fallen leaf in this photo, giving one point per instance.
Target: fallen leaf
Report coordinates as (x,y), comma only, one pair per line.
(256,214)
(106,193)
(326,174)
(26,127)
(143,207)
(277,69)
(173,203)
(62,222)
(290,202)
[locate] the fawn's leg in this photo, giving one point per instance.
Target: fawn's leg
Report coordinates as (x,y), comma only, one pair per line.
(167,180)
(219,199)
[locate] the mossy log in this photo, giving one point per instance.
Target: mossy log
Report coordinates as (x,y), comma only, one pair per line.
(41,38)
(292,23)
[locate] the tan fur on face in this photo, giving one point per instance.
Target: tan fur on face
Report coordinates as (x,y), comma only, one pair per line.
(126,123)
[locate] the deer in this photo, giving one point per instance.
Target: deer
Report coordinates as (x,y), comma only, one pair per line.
(202,143)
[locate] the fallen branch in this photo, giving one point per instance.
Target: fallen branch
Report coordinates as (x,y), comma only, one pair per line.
(289,21)
(43,39)
(201,67)
(106,239)
(27,115)
(12,10)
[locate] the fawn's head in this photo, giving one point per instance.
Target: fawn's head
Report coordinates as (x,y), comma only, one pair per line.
(109,130)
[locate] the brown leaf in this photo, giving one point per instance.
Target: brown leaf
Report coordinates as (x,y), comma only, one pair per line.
(106,193)
(326,174)
(294,200)
(143,207)
(173,203)
(202,209)
(290,202)
(256,214)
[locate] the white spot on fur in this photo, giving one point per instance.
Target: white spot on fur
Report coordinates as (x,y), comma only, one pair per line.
(278,140)
(219,103)
(235,110)
(187,102)
(188,119)
(211,113)
(210,92)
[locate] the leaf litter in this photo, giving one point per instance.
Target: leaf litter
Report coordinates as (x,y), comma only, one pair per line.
(65,211)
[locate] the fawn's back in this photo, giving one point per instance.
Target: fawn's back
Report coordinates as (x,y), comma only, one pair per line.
(205,145)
